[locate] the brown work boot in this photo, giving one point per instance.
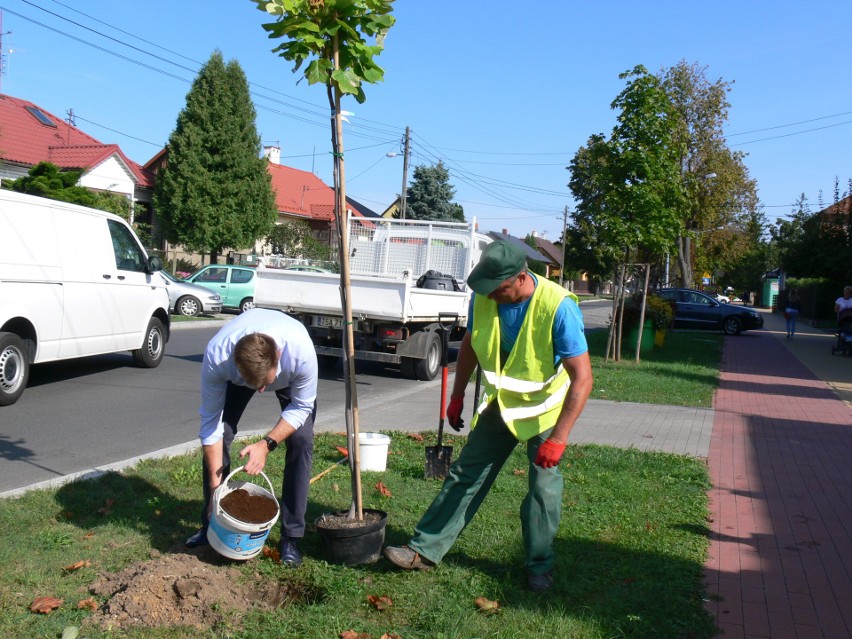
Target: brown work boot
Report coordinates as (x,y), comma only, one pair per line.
(406,558)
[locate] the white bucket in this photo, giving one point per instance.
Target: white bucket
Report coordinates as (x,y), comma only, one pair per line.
(231,537)
(373,448)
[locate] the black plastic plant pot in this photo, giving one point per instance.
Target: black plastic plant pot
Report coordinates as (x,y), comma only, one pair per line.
(351,542)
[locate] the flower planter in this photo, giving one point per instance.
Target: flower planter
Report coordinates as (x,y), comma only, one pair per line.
(647,344)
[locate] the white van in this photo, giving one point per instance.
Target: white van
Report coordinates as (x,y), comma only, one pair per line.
(74,281)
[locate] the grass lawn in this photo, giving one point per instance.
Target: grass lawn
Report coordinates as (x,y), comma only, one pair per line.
(683,372)
(630,551)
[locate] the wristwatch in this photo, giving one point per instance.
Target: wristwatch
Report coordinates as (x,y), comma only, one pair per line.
(271,444)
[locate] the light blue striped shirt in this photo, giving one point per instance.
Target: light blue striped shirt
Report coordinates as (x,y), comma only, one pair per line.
(297,368)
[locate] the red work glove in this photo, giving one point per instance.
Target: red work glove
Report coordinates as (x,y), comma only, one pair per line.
(454,411)
(549,453)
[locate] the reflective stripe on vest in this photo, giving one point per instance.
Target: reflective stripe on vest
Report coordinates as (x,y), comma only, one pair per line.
(529,390)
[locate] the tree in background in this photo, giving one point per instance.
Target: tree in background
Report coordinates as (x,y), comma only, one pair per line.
(628,187)
(294,239)
(430,195)
(214,190)
(721,197)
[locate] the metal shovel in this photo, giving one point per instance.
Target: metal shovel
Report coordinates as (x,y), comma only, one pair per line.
(439,458)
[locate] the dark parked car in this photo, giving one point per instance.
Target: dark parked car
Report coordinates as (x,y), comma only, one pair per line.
(697,310)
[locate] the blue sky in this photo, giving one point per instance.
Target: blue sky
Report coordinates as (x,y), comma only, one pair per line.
(503,92)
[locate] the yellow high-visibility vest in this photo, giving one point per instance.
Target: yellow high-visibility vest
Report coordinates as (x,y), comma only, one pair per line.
(529,390)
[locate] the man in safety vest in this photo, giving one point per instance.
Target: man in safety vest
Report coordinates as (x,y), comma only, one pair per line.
(526,333)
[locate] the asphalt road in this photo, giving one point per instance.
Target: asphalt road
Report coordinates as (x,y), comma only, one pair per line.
(91,412)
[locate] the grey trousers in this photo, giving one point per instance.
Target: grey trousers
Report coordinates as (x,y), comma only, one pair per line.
(468,482)
(298,460)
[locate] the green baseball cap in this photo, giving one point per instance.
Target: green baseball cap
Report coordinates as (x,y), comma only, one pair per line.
(500,260)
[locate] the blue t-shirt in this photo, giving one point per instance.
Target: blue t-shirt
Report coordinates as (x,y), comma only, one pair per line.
(569,340)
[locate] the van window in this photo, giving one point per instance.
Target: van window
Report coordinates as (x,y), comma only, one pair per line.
(128,255)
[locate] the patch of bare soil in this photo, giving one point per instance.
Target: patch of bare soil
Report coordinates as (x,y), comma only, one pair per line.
(192,588)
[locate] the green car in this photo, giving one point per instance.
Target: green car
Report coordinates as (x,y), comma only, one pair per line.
(234,284)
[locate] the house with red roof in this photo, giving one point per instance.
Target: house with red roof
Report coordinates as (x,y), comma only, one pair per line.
(30,134)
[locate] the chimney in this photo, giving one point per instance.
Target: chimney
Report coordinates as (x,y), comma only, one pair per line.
(506,232)
(273,154)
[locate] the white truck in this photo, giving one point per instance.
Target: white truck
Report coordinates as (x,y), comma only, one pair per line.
(406,278)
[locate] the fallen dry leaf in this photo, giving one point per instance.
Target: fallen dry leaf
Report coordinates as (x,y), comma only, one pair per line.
(107,507)
(382,602)
(272,553)
(343,451)
(383,489)
(76,566)
(87,604)
(391,635)
(518,471)
(415,436)
(88,535)
(44,605)
(486,605)
(351,634)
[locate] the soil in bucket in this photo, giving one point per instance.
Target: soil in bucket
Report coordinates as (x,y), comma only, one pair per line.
(242,518)
(252,509)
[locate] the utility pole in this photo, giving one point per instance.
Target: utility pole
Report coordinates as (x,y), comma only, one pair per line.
(404,192)
(2,50)
(562,251)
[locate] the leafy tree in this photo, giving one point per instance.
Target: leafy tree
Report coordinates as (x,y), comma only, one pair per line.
(430,195)
(628,189)
(718,208)
(335,36)
(294,239)
(214,190)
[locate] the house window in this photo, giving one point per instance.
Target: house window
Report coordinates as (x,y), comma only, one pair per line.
(41,116)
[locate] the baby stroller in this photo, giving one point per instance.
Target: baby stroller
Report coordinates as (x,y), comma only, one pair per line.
(844,333)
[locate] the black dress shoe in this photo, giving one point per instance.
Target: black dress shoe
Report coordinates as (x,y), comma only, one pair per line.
(289,553)
(198,539)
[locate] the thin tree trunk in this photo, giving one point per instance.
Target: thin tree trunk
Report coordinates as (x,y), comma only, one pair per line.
(642,312)
(352,425)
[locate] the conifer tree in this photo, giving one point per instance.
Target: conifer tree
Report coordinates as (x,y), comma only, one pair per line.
(214,191)
(430,195)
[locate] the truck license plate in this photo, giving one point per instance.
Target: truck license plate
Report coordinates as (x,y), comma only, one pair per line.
(326,321)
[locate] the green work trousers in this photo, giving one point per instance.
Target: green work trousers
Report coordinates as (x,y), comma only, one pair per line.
(470,478)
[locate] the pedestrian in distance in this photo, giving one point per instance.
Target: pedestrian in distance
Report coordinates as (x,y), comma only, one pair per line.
(526,333)
(791,312)
(844,301)
(260,350)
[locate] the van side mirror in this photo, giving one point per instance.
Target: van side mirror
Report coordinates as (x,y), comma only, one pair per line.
(155,264)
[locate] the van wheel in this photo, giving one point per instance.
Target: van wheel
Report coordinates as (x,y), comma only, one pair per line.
(247,304)
(151,353)
(14,368)
(188,306)
(427,369)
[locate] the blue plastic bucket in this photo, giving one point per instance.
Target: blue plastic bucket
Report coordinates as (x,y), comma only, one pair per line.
(231,537)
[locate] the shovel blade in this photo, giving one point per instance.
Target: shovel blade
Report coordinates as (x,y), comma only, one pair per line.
(438,461)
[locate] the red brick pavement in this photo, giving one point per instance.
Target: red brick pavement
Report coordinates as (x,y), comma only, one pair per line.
(780,559)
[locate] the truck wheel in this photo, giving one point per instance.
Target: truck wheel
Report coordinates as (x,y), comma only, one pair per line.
(151,353)
(406,368)
(427,369)
(14,368)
